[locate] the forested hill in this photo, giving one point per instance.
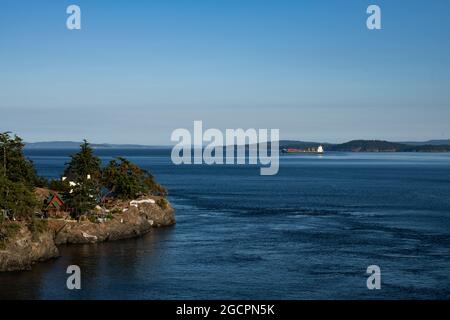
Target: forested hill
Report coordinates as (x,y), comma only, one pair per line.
(367,146)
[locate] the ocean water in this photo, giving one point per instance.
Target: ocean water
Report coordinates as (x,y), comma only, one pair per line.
(309,232)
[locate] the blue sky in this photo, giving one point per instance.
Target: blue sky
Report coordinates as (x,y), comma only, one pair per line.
(137,70)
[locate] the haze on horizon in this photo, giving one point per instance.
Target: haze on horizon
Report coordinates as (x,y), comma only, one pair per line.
(138,70)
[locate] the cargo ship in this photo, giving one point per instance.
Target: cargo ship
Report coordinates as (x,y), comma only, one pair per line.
(318,150)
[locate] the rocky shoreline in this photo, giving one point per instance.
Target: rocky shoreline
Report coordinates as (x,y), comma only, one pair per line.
(26,247)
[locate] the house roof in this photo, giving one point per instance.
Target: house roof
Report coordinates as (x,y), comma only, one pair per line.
(52,198)
(55,201)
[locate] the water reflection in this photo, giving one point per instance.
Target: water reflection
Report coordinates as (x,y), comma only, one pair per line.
(308,233)
(104,267)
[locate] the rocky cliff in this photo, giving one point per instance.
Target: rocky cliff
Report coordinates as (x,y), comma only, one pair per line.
(133,222)
(25,248)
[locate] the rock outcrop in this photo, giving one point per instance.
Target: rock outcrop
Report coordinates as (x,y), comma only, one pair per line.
(132,222)
(26,248)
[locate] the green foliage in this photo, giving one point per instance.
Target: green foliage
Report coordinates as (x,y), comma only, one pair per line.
(126,180)
(82,199)
(37,226)
(59,185)
(15,166)
(92,218)
(17,179)
(162,203)
(82,164)
(17,198)
(8,231)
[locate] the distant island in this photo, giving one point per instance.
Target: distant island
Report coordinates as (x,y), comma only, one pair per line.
(371,146)
(350,146)
(76,145)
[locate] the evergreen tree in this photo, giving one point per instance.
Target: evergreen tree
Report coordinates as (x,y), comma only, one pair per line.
(126,180)
(17,179)
(81,199)
(83,169)
(17,199)
(15,166)
(83,164)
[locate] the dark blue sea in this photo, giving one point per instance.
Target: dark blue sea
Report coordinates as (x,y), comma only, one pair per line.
(309,232)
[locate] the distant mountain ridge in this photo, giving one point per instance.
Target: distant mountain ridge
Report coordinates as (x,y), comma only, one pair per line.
(430,142)
(350,146)
(76,145)
(368,146)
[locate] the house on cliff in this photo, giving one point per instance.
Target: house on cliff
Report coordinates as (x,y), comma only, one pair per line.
(53,203)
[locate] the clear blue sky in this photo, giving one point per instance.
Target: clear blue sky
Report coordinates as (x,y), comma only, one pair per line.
(139,69)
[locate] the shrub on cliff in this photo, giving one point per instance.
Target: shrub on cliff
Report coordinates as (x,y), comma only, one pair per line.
(126,180)
(162,203)
(8,231)
(37,226)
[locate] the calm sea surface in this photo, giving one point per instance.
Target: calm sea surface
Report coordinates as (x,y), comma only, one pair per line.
(309,232)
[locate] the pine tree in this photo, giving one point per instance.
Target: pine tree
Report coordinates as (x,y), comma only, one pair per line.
(17,179)
(83,169)
(17,199)
(81,199)
(15,166)
(83,164)
(126,180)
